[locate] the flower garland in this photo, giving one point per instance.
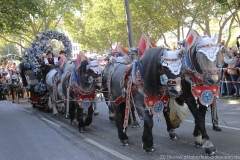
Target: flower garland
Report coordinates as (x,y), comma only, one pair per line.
(32,57)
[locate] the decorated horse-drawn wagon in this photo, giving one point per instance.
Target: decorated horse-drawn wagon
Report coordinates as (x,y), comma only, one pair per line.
(34,70)
(35,87)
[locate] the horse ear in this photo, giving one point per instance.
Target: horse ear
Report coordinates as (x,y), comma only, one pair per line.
(215,37)
(79,59)
(200,40)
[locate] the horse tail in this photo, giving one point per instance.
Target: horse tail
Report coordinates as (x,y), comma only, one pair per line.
(177,113)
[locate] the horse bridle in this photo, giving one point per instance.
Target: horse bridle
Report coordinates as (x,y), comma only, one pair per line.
(171,84)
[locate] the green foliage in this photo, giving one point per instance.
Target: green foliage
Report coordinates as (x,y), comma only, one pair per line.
(14,14)
(8,49)
(103,23)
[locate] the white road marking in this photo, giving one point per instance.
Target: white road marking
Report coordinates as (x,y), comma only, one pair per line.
(238,129)
(26,111)
(51,122)
(117,154)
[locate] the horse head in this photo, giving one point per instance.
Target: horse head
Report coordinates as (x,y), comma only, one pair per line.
(207,58)
(90,72)
(161,71)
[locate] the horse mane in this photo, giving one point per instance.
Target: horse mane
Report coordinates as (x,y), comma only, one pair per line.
(150,69)
(82,68)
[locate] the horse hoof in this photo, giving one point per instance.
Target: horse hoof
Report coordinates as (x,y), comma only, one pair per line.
(198,145)
(112,119)
(56,114)
(95,114)
(125,142)
(173,134)
(135,125)
(67,116)
(146,149)
(82,129)
(72,123)
(12,102)
(216,128)
(210,151)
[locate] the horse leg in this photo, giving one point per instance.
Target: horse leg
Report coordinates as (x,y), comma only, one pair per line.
(95,106)
(170,127)
(12,94)
(109,104)
(88,120)
(81,124)
(17,96)
(135,122)
(72,116)
(209,147)
(119,113)
(147,137)
(29,95)
(200,133)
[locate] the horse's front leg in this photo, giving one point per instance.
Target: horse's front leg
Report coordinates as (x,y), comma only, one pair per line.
(17,96)
(72,114)
(119,119)
(147,137)
(88,120)
(12,94)
(170,127)
(135,122)
(200,133)
(81,124)
(96,112)
(209,147)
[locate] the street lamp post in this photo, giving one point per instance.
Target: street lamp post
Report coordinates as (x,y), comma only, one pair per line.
(129,25)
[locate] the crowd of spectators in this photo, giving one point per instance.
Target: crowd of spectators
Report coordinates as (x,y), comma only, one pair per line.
(230,84)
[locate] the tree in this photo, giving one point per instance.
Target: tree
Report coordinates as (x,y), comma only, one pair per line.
(100,25)
(9,49)
(233,6)
(52,11)
(14,14)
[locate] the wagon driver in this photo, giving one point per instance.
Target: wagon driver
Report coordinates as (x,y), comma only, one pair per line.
(50,61)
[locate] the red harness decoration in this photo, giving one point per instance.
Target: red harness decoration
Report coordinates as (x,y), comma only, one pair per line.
(195,77)
(121,99)
(85,97)
(128,105)
(205,94)
(156,104)
(85,100)
(54,88)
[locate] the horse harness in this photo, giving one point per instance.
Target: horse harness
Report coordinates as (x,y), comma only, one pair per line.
(130,85)
(199,88)
(84,96)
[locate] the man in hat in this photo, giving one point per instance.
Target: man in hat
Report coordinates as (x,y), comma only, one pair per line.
(62,53)
(50,61)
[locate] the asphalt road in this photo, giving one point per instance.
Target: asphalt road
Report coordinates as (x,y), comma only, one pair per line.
(33,134)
